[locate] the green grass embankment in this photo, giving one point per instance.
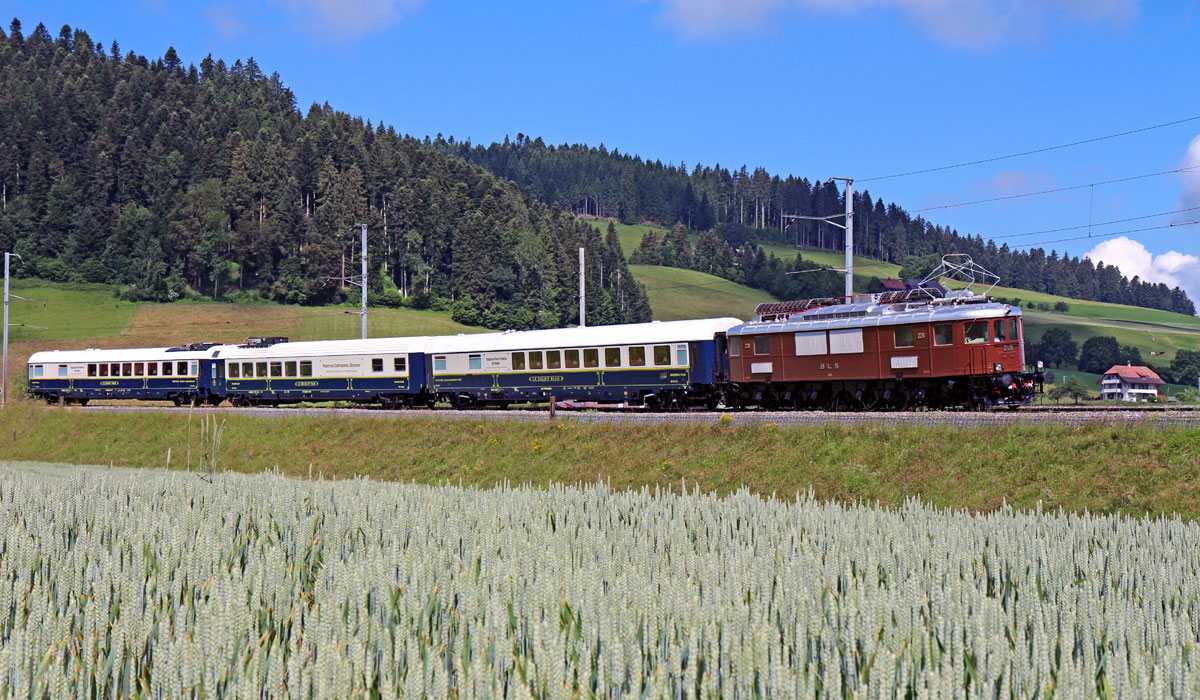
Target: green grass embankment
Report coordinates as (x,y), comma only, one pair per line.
(1097,468)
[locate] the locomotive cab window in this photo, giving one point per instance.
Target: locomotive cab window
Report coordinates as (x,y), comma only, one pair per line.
(306,368)
(553,359)
(289,368)
(976,332)
(473,362)
(762,345)
(1012,330)
(377,364)
(735,346)
(400,365)
(518,360)
(571,359)
(943,334)
(591,357)
(637,357)
(235,370)
(535,359)
(662,355)
(1001,336)
(903,336)
(612,357)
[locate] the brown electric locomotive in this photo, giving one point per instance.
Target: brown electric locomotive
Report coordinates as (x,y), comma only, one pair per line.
(920,347)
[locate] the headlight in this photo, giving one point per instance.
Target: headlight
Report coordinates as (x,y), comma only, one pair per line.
(1040,365)
(997,367)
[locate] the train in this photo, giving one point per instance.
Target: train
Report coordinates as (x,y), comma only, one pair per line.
(925,347)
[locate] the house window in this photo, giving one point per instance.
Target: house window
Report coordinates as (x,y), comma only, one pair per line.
(400,365)
(591,357)
(235,370)
(473,362)
(571,358)
(152,369)
(167,367)
(518,360)
(535,359)
(681,355)
(91,370)
(662,355)
(903,336)
(1001,336)
(553,359)
(439,364)
(943,334)
(612,357)
(976,332)
(376,364)
(276,369)
(306,368)
(289,368)
(637,357)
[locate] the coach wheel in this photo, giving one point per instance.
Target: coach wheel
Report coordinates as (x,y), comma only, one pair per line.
(51,401)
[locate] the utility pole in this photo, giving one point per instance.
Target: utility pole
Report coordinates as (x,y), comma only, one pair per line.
(582,294)
(363,314)
(4,371)
(848,227)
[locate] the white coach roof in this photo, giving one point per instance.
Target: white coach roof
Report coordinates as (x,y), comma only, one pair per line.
(119,355)
(591,336)
(325,348)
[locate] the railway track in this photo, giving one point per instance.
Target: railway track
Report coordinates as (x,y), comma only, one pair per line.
(1158,416)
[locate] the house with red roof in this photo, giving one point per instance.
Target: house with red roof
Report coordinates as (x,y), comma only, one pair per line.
(1130,383)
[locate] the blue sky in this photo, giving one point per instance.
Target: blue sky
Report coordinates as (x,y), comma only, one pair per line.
(817,88)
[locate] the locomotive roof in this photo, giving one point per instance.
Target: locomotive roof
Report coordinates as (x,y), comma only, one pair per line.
(627,334)
(120,355)
(325,348)
(869,315)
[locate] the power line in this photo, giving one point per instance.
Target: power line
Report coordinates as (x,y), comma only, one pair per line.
(1111,233)
(1029,153)
(1098,223)
(1191,168)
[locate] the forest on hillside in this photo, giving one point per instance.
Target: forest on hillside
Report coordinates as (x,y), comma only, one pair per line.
(173,180)
(594,181)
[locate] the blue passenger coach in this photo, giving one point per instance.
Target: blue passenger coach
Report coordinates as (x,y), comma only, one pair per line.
(181,374)
(671,364)
(389,371)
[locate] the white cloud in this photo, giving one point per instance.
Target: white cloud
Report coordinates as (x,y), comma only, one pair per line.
(964,23)
(348,19)
(226,20)
(1172,268)
(1190,196)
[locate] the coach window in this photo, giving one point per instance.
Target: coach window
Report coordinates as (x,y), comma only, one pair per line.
(247,370)
(681,355)
(377,364)
(399,365)
(553,359)
(571,358)
(289,369)
(475,362)
(662,355)
(181,368)
(167,366)
(943,334)
(152,369)
(139,369)
(260,369)
(305,368)
(126,369)
(591,357)
(999,327)
(103,370)
(195,368)
(903,336)
(637,356)
(976,332)
(535,359)
(235,370)
(612,357)
(276,369)
(91,370)
(762,345)
(37,370)
(62,370)
(518,360)
(439,364)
